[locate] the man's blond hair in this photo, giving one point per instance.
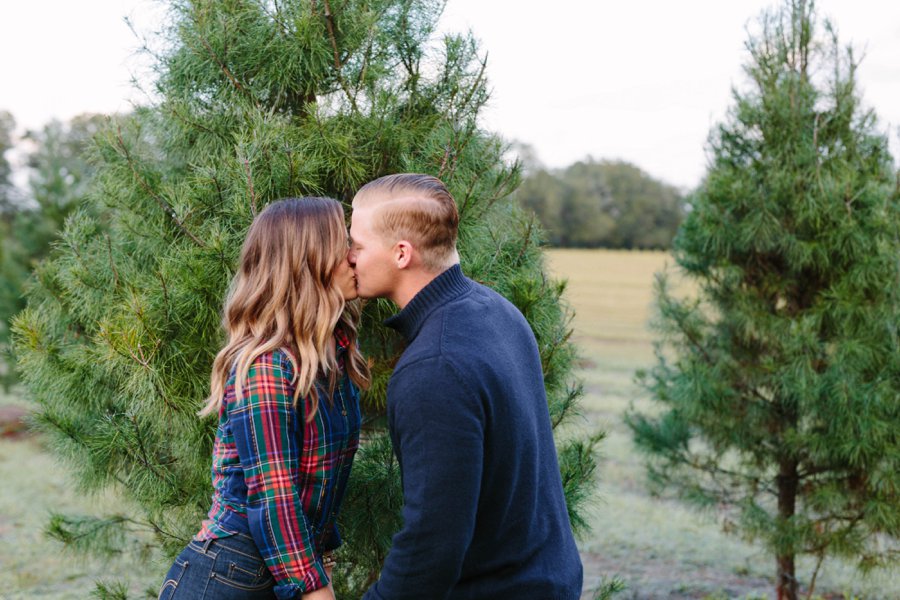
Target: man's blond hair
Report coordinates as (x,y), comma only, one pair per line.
(417,208)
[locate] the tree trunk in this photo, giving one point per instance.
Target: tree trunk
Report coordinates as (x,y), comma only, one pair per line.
(787,500)
(787,582)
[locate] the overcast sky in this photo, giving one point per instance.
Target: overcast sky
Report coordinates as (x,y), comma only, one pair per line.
(642,81)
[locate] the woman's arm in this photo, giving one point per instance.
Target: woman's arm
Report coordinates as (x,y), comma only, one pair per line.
(262,423)
(325,593)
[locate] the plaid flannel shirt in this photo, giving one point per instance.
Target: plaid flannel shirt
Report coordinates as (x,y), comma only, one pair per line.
(279,478)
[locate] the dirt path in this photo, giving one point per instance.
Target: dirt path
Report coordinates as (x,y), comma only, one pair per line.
(12,421)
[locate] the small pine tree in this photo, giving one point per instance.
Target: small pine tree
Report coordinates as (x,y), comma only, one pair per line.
(779,384)
(260,101)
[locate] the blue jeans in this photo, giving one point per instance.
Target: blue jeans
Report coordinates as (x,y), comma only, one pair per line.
(228,568)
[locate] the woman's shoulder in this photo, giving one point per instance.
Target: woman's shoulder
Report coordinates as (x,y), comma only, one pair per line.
(278,361)
(270,371)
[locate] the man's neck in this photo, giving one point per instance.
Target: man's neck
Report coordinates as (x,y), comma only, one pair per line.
(412,284)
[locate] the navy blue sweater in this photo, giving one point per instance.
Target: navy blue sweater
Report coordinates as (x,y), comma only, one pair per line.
(484,515)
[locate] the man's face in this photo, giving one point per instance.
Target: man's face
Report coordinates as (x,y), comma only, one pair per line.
(371,257)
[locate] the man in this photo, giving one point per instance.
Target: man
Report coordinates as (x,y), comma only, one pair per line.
(484,515)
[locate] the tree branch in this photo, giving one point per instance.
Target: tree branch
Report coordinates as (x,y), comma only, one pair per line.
(329,24)
(475,85)
(167,208)
(112,263)
(224,67)
(253,207)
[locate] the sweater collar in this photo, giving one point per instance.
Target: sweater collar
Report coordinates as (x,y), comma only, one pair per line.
(446,286)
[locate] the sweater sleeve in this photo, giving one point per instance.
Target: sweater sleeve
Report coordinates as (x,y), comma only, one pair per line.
(438,428)
(262,423)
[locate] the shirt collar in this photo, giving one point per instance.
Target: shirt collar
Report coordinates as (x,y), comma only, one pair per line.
(340,337)
(448,285)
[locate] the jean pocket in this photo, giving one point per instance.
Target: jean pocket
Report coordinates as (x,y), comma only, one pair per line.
(238,565)
(173,577)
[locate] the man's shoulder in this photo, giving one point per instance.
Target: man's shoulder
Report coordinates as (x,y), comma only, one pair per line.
(428,357)
(484,313)
(460,330)
(485,301)
(422,356)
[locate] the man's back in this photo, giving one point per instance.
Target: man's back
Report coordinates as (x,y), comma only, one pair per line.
(484,513)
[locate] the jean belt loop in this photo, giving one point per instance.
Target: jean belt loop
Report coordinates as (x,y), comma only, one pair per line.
(207,544)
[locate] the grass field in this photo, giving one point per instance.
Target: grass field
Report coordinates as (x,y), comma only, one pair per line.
(34,566)
(658,547)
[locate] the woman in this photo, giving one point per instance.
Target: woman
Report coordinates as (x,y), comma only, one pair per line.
(283,389)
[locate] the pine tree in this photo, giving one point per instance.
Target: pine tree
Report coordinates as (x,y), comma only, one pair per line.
(59,177)
(10,292)
(258,101)
(779,382)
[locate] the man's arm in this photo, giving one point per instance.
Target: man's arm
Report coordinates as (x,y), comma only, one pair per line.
(439,425)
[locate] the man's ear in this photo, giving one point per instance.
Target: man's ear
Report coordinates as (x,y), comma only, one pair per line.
(403,252)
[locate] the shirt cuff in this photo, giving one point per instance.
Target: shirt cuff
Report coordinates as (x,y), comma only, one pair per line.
(314,579)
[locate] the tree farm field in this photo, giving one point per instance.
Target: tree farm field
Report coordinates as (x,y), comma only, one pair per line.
(659,547)
(36,484)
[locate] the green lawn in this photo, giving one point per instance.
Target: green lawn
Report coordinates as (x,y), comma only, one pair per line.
(34,566)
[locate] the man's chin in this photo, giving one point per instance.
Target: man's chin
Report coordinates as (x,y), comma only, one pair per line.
(363,295)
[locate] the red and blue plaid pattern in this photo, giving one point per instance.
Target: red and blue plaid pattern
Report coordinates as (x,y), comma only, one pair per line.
(279,478)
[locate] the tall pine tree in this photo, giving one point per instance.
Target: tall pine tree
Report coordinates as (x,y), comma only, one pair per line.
(779,384)
(262,100)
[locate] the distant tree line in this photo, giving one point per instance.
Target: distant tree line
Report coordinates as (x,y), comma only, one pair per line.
(605,204)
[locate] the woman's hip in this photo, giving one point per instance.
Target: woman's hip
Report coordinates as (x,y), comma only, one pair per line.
(228,568)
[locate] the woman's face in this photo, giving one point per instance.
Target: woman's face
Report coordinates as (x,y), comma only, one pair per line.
(345,279)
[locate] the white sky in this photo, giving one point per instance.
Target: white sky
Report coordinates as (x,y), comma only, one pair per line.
(643,81)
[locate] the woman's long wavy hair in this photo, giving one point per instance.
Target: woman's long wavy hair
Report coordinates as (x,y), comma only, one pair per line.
(282,297)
